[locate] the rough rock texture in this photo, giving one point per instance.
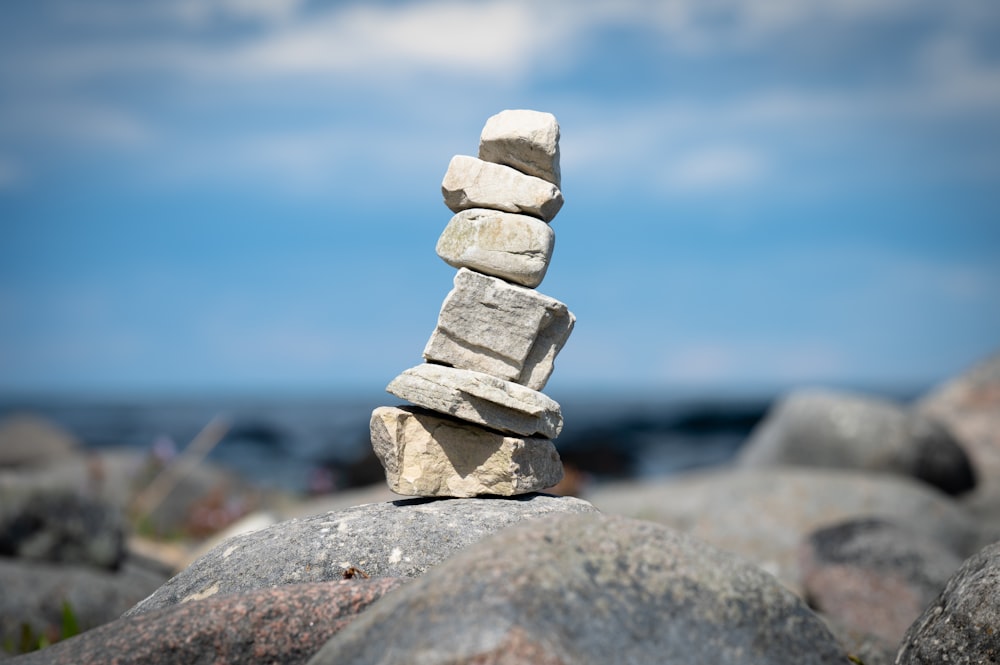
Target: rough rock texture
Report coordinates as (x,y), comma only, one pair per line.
(525,140)
(842,430)
(282,625)
(397,539)
(489,325)
(473,183)
(34,593)
(962,626)
(874,576)
(479,398)
(27,440)
(60,525)
(763,514)
(425,454)
(588,589)
(514,247)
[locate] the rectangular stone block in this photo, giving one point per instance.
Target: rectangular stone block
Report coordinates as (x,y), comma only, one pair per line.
(474,183)
(425,454)
(510,246)
(525,140)
(489,325)
(479,398)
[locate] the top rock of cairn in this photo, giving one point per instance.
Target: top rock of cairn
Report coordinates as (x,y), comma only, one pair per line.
(479,424)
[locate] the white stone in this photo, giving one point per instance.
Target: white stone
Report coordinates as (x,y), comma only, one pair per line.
(474,183)
(525,140)
(498,328)
(425,454)
(514,247)
(479,398)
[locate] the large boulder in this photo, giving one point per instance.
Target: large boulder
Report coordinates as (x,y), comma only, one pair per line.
(396,539)
(962,626)
(588,589)
(873,576)
(843,430)
(286,625)
(763,514)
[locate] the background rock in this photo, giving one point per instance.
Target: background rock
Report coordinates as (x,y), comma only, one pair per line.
(398,539)
(873,576)
(27,440)
(33,594)
(841,430)
(763,514)
(588,589)
(962,626)
(282,625)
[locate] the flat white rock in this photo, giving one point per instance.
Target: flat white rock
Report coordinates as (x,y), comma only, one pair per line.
(425,454)
(514,247)
(525,140)
(492,326)
(479,398)
(474,183)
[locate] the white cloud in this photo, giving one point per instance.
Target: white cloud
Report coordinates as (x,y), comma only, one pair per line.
(714,168)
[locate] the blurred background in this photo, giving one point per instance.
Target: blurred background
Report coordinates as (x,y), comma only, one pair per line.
(231,206)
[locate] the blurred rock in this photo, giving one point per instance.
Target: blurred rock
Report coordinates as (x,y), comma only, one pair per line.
(282,625)
(840,430)
(587,589)
(962,626)
(873,576)
(764,514)
(33,594)
(27,440)
(398,539)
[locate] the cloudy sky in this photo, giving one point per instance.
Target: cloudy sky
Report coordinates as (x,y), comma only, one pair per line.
(244,195)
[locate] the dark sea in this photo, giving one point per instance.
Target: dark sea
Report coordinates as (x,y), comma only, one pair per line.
(322,443)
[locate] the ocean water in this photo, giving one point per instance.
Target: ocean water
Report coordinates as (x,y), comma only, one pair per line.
(322,443)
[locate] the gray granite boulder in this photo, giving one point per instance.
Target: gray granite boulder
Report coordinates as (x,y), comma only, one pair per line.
(842,430)
(33,594)
(397,539)
(474,183)
(287,625)
(588,589)
(764,514)
(961,626)
(873,576)
(525,140)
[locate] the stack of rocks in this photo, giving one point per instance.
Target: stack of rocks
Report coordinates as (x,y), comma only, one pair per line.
(480,424)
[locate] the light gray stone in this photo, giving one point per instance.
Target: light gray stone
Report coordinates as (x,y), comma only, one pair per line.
(846,430)
(426,454)
(508,331)
(962,625)
(525,140)
(515,247)
(588,589)
(479,398)
(473,183)
(396,539)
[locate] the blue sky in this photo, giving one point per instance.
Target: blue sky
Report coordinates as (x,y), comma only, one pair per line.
(244,195)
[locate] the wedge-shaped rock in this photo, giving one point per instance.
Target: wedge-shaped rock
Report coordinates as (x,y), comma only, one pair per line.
(491,326)
(479,398)
(425,454)
(515,247)
(525,140)
(474,183)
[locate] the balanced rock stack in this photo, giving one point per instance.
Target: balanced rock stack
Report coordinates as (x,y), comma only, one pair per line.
(480,424)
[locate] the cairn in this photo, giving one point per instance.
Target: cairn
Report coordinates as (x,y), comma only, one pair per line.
(480,424)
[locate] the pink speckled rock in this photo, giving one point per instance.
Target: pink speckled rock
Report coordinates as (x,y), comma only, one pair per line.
(286,624)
